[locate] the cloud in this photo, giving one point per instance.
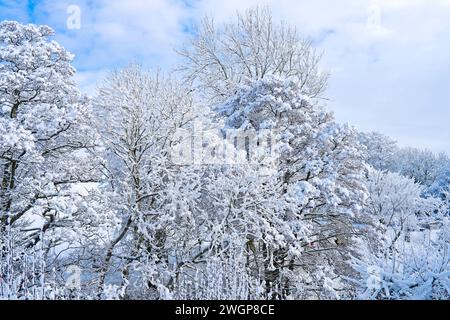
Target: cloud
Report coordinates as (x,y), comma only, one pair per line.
(14,10)
(388,58)
(115,32)
(395,83)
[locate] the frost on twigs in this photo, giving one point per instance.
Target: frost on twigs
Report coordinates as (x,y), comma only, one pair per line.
(232,181)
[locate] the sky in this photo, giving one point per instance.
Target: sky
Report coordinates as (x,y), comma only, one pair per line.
(389,59)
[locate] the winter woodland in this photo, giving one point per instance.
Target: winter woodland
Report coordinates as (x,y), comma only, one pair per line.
(226,179)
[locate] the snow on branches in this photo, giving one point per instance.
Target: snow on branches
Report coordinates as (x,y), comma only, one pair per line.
(232,182)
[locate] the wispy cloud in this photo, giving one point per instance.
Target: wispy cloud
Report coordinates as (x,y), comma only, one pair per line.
(388,58)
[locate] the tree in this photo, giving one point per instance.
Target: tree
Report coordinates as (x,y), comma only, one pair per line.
(319,181)
(45,142)
(402,254)
(421,165)
(138,115)
(251,46)
(233,185)
(380,149)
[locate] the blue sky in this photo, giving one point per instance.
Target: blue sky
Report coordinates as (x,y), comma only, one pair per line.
(389,59)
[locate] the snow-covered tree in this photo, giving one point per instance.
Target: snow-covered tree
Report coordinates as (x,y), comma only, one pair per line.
(319,181)
(251,46)
(404,253)
(45,142)
(440,186)
(380,149)
(441,189)
(138,114)
(424,166)
(235,184)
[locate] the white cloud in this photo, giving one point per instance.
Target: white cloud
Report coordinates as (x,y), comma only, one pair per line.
(115,32)
(389,58)
(13,10)
(389,61)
